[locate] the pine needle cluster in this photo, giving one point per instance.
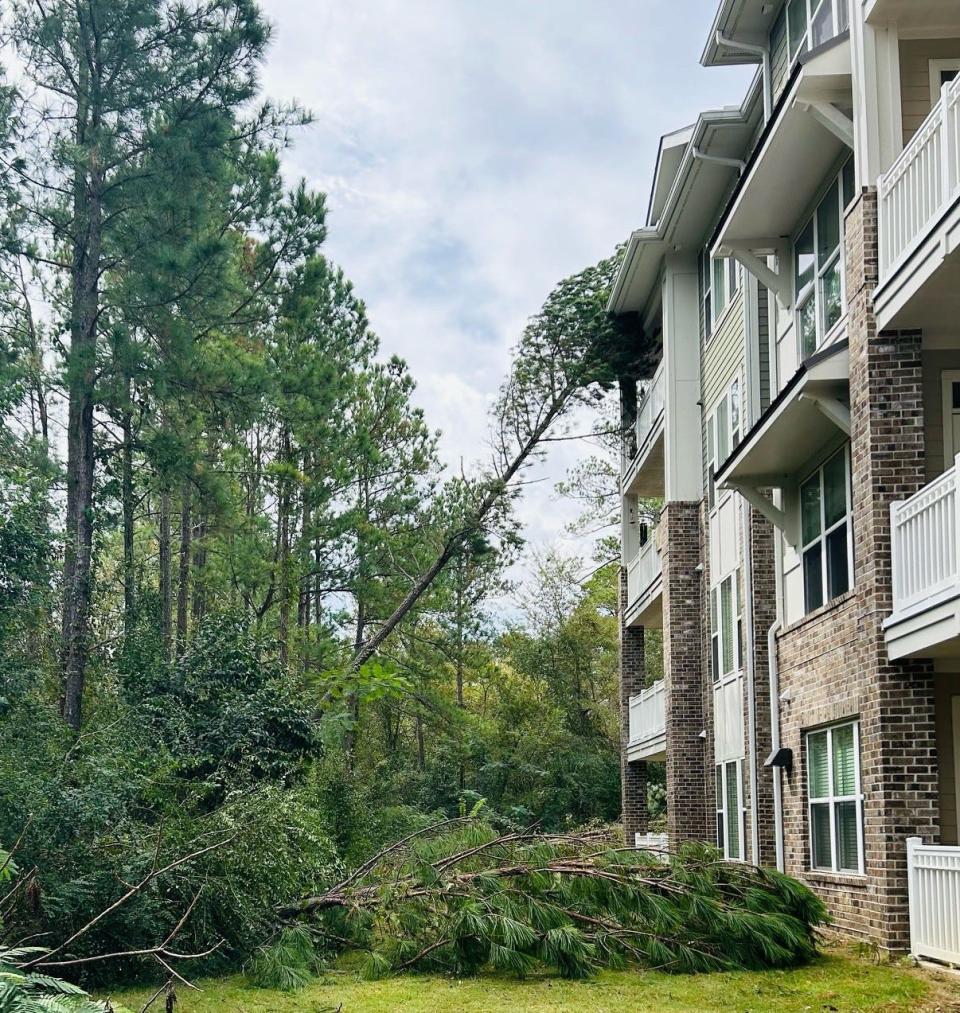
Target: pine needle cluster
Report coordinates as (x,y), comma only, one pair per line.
(461,897)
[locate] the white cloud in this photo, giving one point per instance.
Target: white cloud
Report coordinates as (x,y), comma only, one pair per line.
(474,154)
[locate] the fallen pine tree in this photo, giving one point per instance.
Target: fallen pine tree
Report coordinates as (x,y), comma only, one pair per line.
(460,896)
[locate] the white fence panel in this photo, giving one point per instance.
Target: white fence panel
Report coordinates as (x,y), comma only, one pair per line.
(934,885)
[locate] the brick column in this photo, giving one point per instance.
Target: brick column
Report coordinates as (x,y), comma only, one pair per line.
(898,739)
(633,776)
(762,613)
(679,535)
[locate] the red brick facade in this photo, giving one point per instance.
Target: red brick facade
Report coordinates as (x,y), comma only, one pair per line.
(833,663)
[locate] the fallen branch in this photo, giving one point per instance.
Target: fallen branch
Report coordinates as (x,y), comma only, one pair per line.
(464,896)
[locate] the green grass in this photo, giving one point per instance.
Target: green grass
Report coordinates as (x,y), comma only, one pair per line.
(833,982)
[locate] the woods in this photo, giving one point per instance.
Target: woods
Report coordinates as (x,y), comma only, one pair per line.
(252,628)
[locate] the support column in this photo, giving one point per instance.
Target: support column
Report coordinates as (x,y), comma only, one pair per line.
(633,776)
(762,614)
(898,755)
(679,535)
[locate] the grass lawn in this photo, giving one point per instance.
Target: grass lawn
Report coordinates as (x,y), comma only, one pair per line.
(836,981)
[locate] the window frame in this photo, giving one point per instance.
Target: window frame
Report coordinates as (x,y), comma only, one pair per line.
(838,24)
(824,531)
(722,824)
(813,290)
(731,401)
(936,69)
(832,800)
(718,641)
(719,283)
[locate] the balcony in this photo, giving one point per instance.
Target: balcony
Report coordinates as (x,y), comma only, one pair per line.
(648,724)
(924,536)
(918,207)
(643,473)
(644,585)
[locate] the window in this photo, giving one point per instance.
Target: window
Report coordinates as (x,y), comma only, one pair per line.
(726,627)
(825,532)
(723,434)
(730,809)
(818,265)
(719,283)
(811,23)
(706,301)
(835,802)
(941,72)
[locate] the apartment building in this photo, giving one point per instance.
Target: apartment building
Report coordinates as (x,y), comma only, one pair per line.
(791,482)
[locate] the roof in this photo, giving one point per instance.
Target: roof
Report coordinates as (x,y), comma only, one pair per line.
(747,21)
(793,154)
(793,427)
(688,188)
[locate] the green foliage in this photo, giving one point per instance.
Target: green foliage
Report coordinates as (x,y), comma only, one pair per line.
(463,898)
(288,964)
(32,992)
(225,709)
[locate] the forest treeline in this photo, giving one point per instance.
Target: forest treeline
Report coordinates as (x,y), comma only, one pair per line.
(242,602)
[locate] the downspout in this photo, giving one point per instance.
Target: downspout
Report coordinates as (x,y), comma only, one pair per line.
(751,678)
(775,739)
(764,53)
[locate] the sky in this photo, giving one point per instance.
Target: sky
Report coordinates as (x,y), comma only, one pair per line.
(475,153)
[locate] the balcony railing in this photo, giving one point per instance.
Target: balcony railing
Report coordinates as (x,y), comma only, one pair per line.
(650,409)
(924,540)
(922,183)
(648,714)
(934,887)
(643,569)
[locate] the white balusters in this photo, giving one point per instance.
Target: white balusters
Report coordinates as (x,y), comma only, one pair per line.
(925,532)
(922,182)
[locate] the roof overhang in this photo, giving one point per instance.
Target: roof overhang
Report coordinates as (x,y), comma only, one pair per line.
(703,159)
(743,21)
(809,412)
(803,141)
(928,18)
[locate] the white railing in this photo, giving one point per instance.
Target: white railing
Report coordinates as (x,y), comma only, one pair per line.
(643,569)
(922,183)
(657,843)
(933,878)
(650,409)
(648,713)
(924,535)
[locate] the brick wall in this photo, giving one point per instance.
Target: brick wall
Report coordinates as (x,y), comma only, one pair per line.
(761,614)
(680,541)
(633,776)
(833,663)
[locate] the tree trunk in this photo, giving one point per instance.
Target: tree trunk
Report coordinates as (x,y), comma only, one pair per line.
(166,582)
(305,584)
(421,746)
(283,560)
(183,587)
(128,506)
(88,187)
(199,563)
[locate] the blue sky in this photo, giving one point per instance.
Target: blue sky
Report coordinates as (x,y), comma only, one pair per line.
(473,154)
